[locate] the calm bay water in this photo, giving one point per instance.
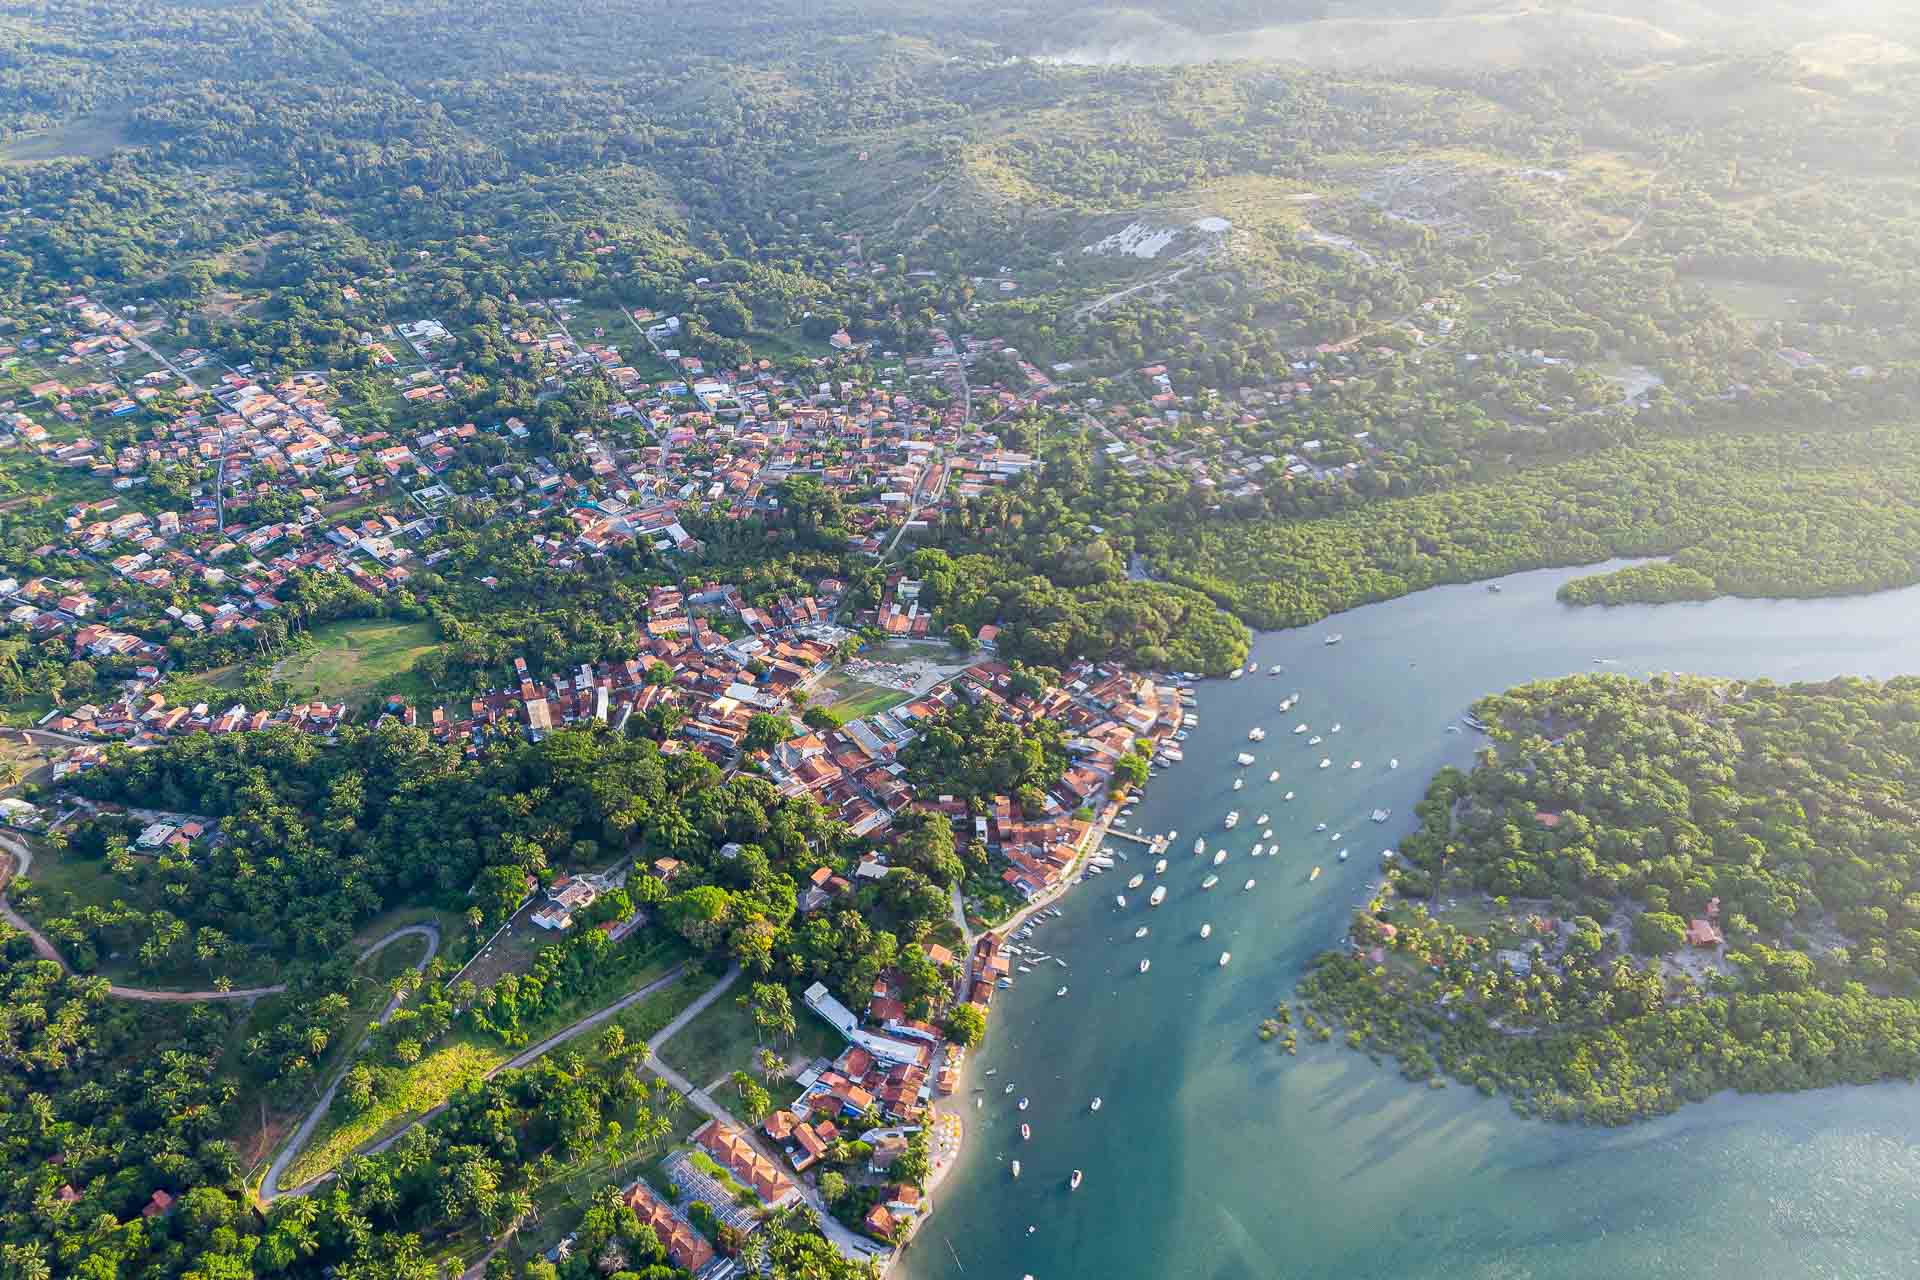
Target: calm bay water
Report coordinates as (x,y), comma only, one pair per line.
(1217,1156)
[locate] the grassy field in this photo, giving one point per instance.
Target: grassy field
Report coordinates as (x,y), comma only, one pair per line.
(851,699)
(721,1041)
(1753,300)
(354,661)
(84,139)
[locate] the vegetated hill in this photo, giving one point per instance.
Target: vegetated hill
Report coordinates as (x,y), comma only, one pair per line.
(1450,34)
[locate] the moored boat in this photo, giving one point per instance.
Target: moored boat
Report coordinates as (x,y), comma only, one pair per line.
(1145,964)
(1206,930)
(1074,1182)
(1248,885)
(1209,882)
(1224,957)
(1159,896)
(1219,857)
(1314,874)
(1026,1134)
(1016,1168)
(1244,759)
(1095,1104)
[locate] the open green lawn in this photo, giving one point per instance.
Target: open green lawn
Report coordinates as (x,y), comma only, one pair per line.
(851,699)
(85,139)
(721,1041)
(355,661)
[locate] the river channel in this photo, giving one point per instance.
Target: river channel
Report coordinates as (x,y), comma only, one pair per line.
(1217,1156)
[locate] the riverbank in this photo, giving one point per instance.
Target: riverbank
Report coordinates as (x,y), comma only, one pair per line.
(1380,1176)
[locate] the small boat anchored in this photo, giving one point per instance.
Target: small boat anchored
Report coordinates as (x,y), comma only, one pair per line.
(1244,759)
(1159,896)
(1314,875)
(1219,857)
(1225,956)
(1335,638)
(1074,1182)
(1138,880)
(1206,930)
(1023,1103)
(1248,885)
(1061,992)
(1145,964)
(1026,1133)
(1016,1168)
(1209,882)
(1141,932)
(1095,1104)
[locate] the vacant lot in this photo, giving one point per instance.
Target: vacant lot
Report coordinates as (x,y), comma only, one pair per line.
(354,661)
(721,1041)
(850,699)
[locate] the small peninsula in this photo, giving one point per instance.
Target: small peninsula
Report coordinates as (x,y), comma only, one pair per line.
(1647,892)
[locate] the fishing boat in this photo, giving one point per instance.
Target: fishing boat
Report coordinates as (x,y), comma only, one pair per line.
(1232,819)
(1160,867)
(1023,1104)
(1313,875)
(1325,763)
(1009,1088)
(1336,727)
(1256,734)
(1120,900)
(1274,776)
(1239,783)
(1209,882)
(1026,1134)
(1300,728)
(1248,885)
(1394,763)
(1159,895)
(1074,1182)
(1343,855)
(1335,638)
(1243,759)
(1016,1168)
(1260,821)
(1354,765)
(1145,964)
(1141,932)
(1225,956)
(1062,991)
(1287,796)
(1219,857)
(1199,844)
(1315,740)
(1381,815)
(1206,930)
(1094,1105)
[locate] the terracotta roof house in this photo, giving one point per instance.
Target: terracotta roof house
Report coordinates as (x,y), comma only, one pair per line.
(160,1204)
(1701,933)
(685,1247)
(879,1222)
(732,1149)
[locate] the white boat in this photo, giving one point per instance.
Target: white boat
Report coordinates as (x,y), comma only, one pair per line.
(1009,1088)
(1248,885)
(1073,1183)
(1335,638)
(1258,849)
(1381,815)
(1275,669)
(1016,1168)
(1026,1134)
(1206,930)
(1334,838)
(1256,734)
(1173,835)
(1062,991)
(1343,855)
(1159,895)
(1287,796)
(1394,763)
(1315,875)
(1141,932)
(1160,867)
(979,1103)
(1231,820)
(1145,964)
(1252,667)
(1260,821)
(1023,1104)
(1235,674)
(1243,759)
(1137,881)
(1268,835)
(1120,900)
(1199,844)
(1274,776)
(1300,728)
(1239,783)
(1219,857)
(1094,1105)
(1209,882)
(1224,957)
(1354,765)
(1336,727)
(1325,763)
(1315,740)
(1321,827)
(993,1071)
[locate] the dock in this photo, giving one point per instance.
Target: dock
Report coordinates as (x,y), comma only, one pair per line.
(1155,844)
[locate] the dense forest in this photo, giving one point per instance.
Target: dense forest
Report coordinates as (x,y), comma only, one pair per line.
(1693,885)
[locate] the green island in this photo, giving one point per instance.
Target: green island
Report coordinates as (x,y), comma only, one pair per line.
(1648,892)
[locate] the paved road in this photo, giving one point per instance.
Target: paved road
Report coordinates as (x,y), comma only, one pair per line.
(23,863)
(270,1188)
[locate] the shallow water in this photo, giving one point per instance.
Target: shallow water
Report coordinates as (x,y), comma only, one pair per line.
(1215,1155)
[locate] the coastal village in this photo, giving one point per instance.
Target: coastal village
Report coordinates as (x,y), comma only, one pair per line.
(133,585)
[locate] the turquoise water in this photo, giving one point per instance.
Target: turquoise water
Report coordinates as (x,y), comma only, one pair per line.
(1217,1156)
